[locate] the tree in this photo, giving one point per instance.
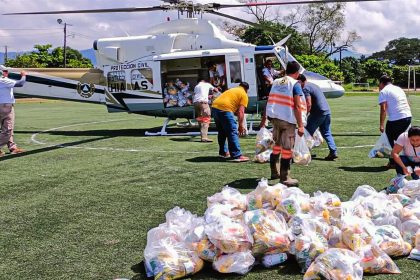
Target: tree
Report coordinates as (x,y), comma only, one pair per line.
(265,35)
(42,57)
(321,65)
(352,70)
(322,25)
(374,69)
(402,51)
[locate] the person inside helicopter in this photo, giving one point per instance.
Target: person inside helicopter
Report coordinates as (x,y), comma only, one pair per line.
(217,74)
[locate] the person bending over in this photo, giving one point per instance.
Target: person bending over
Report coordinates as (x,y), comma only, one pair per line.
(409,144)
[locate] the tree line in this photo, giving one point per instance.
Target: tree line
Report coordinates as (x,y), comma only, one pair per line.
(43,56)
(318,33)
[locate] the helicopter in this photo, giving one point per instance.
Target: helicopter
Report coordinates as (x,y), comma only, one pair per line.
(134,72)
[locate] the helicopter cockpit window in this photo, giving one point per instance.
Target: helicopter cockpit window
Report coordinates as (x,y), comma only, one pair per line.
(116,81)
(235,71)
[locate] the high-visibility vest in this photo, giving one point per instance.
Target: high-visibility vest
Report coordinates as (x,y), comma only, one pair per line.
(280,103)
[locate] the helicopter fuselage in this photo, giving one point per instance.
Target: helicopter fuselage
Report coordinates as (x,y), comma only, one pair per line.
(134,73)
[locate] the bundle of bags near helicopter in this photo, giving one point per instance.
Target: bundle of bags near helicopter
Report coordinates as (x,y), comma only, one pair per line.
(328,238)
(301,150)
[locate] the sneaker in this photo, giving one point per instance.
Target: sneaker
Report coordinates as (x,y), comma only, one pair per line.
(2,153)
(331,157)
(226,156)
(206,140)
(241,159)
(16,151)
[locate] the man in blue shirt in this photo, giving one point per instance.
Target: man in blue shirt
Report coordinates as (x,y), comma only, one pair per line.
(7,112)
(320,114)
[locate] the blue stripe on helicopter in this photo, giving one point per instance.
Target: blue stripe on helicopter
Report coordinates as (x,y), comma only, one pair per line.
(264,48)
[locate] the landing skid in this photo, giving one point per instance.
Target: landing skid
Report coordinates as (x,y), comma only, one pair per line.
(163,132)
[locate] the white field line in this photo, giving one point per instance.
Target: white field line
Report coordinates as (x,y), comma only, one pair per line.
(34,140)
(33,137)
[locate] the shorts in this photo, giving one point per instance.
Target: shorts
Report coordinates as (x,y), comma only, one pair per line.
(283,134)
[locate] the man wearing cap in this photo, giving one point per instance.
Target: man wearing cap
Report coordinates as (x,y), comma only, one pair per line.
(284,110)
(7,112)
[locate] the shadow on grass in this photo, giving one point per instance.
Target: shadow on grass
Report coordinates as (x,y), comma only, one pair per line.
(111,132)
(355,135)
(323,159)
(364,168)
(51,148)
(290,267)
(185,139)
(205,159)
(247,183)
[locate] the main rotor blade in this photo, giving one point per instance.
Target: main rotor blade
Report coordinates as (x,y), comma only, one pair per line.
(115,10)
(257,25)
(223,6)
(234,18)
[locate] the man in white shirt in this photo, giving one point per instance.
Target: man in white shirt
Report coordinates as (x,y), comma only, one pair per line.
(7,112)
(217,75)
(393,103)
(269,74)
(202,108)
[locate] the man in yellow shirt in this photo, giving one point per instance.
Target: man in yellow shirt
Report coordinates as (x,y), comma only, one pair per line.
(230,103)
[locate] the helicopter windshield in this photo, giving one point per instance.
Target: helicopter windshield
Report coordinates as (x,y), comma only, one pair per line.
(284,56)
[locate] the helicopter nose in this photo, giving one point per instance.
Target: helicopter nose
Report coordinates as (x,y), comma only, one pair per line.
(336,90)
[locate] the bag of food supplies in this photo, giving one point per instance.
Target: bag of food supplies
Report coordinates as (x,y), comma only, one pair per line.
(301,153)
(382,148)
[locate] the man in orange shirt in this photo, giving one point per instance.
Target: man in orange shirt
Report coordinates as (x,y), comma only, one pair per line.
(230,103)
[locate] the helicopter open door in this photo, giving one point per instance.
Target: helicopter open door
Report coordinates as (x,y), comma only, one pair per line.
(233,70)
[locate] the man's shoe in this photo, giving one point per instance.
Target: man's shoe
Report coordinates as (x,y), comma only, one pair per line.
(241,159)
(16,151)
(225,156)
(206,140)
(331,157)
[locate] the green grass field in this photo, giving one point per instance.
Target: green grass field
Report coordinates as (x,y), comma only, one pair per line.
(78,204)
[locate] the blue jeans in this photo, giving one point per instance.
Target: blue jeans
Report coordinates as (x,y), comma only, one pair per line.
(324,124)
(407,162)
(227,128)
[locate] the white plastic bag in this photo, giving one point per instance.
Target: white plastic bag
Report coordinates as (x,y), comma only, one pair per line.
(264,140)
(230,196)
(335,264)
(301,153)
(240,263)
(382,148)
(310,141)
(318,140)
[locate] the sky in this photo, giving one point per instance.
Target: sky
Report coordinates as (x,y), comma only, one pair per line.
(376,22)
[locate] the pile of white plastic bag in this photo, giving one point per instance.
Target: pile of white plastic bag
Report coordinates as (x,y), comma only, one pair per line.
(328,238)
